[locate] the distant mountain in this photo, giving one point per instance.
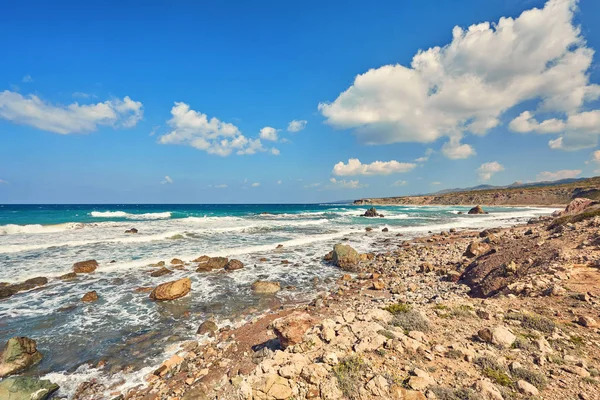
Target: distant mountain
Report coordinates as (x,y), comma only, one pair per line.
(512,185)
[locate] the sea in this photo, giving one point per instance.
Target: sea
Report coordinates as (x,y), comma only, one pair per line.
(127,334)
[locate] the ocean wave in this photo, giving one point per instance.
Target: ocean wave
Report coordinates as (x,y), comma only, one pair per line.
(123,214)
(12,229)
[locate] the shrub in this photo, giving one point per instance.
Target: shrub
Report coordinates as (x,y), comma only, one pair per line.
(444,393)
(386,333)
(494,371)
(398,308)
(535,378)
(411,321)
(532,321)
(348,373)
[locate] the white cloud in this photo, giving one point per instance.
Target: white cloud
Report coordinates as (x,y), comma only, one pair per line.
(312,185)
(167,180)
(399,183)
(221,186)
(355,167)
(279,182)
(3,182)
(555,176)
(268,133)
(275,151)
(455,150)
(486,170)
(296,125)
(256,184)
(344,184)
(436,183)
(82,95)
(192,128)
(596,156)
(27,79)
(468,84)
(72,118)
(428,154)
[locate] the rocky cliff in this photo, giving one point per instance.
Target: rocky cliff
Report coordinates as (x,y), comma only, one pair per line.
(547,195)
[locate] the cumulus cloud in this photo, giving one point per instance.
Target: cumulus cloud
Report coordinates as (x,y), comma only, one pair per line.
(312,185)
(486,170)
(275,151)
(279,182)
(195,129)
(27,79)
(596,156)
(399,183)
(344,184)
(73,118)
(268,133)
(256,184)
(221,186)
(455,150)
(557,175)
(436,183)
(167,180)
(355,167)
(3,182)
(468,84)
(296,125)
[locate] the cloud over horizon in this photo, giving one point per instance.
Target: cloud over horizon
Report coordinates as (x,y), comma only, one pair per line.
(557,175)
(464,87)
(355,167)
(488,169)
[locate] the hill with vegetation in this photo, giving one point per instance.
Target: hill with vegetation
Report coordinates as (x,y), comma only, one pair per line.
(540,193)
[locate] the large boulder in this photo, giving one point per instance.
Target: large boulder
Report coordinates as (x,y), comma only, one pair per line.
(345,257)
(233,265)
(208,327)
(290,329)
(85,267)
(19,354)
(132,230)
(90,297)
(476,249)
(576,206)
(213,263)
(26,388)
(477,210)
(266,287)
(171,290)
(499,335)
(160,272)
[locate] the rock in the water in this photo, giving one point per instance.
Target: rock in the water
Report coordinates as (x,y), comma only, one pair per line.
(213,263)
(345,257)
(177,261)
(202,259)
(132,230)
(477,210)
(233,265)
(171,290)
(385,230)
(161,272)
(19,354)
(372,212)
(26,388)
(266,287)
(85,267)
(476,249)
(7,291)
(67,277)
(208,328)
(90,297)
(291,329)
(29,284)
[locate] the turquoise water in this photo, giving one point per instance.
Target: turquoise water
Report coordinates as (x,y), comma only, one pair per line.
(127,330)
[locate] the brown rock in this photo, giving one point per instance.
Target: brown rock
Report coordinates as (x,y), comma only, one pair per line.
(378,285)
(577,206)
(171,290)
(68,277)
(476,249)
(161,272)
(90,297)
(202,259)
(477,210)
(19,354)
(132,230)
(176,261)
(85,267)
(233,265)
(208,328)
(345,257)
(291,329)
(266,287)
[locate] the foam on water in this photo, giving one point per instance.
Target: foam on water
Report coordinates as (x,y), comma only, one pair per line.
(123,214)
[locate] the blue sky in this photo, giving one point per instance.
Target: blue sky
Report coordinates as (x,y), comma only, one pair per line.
(151,102)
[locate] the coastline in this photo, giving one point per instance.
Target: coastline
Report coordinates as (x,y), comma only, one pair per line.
(233,368)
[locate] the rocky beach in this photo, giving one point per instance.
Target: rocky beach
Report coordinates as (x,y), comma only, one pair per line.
(501,313)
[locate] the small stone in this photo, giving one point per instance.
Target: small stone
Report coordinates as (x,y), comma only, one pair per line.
(527,388)
(90,297)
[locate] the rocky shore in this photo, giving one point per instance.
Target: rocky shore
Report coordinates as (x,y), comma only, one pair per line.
(497,314)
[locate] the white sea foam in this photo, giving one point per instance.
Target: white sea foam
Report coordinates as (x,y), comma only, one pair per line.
(123,214)
(12,229)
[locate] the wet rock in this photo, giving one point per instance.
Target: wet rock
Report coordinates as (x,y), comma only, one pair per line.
(201,259)
(19,354)
(207,328)
(68,277)
(26,388)
(7,291)
(90,297)
(345,257)
(176,261)
(266,287)
(132,230)
(385,230)
(477,210)
(85,267)
(161,272)
(371,212)
(171,290)
(291,329)
(233,265)
(213,263)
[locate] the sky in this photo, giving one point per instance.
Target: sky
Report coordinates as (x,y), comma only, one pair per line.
(293,101)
